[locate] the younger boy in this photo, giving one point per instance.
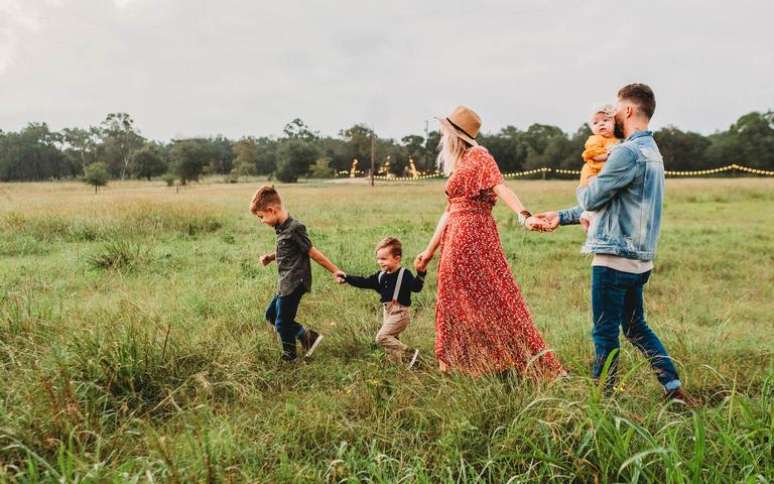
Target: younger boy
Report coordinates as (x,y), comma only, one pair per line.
(295,271)
(395,285)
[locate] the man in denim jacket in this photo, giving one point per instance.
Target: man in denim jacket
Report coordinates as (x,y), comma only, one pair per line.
(627,196)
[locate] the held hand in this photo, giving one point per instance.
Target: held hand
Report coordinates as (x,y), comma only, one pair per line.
(422,260)
(267,259)
(340,277)
(585,223)
(536,224)
(550,220)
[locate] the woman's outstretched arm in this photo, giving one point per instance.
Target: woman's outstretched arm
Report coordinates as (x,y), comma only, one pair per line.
(509,198)
(512,201)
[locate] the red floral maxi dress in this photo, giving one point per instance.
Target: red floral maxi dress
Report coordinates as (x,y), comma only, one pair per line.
(482,323)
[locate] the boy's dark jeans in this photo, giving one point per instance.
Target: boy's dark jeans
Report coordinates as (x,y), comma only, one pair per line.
(616,300)
(282,314)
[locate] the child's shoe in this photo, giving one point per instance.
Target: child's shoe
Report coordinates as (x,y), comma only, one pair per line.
(414,361)
(310,341)
(287,358)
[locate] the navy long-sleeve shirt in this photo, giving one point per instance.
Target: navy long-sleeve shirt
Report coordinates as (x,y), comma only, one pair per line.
(386,287)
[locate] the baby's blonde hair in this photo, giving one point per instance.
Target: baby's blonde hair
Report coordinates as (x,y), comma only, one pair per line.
(606,109)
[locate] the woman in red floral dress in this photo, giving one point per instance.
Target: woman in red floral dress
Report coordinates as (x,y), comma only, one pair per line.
(482,323)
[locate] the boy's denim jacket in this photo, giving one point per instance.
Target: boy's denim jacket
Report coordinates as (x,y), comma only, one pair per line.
(627,196)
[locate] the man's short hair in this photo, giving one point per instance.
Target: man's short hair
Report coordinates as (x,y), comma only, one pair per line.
(641,95)
(266,196)
(396,248)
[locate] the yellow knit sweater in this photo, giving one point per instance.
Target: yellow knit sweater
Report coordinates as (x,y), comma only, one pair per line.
(596,145)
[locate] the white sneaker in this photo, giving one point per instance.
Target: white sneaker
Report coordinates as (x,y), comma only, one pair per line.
(414,359)
(311,341)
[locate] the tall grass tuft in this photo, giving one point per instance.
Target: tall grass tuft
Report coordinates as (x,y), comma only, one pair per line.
(120,255)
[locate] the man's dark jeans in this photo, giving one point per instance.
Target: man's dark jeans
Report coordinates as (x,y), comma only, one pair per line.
(282,314)
(616,299)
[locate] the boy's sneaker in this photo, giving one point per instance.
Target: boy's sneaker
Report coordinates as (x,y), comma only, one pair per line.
(310,341)
(414,360)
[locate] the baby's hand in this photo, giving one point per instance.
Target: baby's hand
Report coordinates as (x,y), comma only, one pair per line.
(585,223)
(266,259)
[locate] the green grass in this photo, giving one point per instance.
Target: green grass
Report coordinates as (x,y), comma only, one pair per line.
(132,346)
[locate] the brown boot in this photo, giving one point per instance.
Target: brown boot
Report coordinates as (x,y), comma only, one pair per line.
(678,395)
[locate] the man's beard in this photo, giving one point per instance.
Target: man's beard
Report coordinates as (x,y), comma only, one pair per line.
(618,130)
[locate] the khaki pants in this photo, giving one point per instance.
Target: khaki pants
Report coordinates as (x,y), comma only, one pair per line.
(396,319)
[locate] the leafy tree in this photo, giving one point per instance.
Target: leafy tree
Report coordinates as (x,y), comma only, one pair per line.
(223,155)
(754,133)
(358,139)
(414,147)
(119,138)
(33,154)
(573,159)
(294,156)
(148,161)
(266,155)
(321,168)
(395,153)
(339,152)
(682,150)
(96,175)
(431,150)
(81,145)
(169,178)
(538,138)
(189,157)
(246,156)
(297,129)
(507,147)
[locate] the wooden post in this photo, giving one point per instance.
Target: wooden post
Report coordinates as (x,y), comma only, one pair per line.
(373,162)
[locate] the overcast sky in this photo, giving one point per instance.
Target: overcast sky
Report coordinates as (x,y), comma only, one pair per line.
(240,67)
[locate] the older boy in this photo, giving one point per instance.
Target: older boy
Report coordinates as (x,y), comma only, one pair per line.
(294,249)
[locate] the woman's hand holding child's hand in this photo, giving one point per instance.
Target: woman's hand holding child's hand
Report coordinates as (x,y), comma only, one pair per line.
(422,260)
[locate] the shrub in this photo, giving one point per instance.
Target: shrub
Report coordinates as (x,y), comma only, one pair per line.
(120,255)
(96,175)
(294,158)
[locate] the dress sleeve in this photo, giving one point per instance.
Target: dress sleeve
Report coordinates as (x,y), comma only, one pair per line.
(488,172)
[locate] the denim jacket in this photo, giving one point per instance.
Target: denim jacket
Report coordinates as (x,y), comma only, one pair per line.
(627,196)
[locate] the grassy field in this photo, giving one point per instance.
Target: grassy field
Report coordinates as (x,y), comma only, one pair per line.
(132,346)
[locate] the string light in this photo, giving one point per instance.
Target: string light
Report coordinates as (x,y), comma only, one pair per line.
(562,171)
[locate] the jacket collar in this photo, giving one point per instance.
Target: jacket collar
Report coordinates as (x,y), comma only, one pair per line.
(639,134)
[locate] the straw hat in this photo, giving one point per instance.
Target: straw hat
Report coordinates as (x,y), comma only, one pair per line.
(464,122)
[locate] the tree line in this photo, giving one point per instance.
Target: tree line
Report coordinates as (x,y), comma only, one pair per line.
(116,149)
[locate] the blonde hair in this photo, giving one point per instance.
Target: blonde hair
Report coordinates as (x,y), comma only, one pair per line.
(606,109)
(450,149)
(266,196)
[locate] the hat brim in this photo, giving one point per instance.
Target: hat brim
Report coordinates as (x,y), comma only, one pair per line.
(460,134)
